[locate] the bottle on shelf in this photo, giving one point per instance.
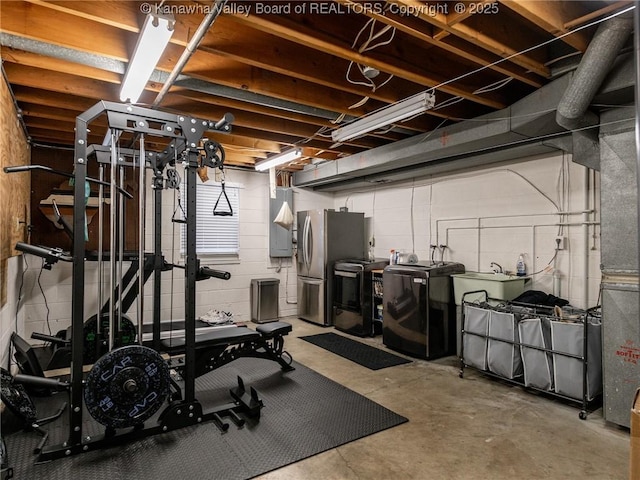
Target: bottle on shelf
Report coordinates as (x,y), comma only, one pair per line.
(521,267)
(392,257)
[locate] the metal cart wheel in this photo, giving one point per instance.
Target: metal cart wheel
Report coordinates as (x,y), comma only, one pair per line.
(582,415)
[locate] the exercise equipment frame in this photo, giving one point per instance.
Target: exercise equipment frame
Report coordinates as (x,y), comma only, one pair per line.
(185,133)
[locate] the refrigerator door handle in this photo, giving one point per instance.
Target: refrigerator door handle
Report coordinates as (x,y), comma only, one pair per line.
(304,242)
(306,257)
(309,243)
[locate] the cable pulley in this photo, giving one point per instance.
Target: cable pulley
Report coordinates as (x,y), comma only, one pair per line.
(173,179)
(214,154)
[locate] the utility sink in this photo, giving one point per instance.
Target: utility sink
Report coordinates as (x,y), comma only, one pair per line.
(497,285)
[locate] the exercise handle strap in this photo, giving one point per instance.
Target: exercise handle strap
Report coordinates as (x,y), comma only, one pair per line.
(228,213)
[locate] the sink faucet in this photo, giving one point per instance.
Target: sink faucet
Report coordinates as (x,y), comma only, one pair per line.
(496,267)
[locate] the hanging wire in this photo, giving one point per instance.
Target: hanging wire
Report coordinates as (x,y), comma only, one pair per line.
(46,304)
(365,47)
(493,86)
(513,55)
(24,272)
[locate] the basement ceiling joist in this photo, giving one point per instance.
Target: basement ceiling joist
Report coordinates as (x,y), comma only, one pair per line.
(290,71)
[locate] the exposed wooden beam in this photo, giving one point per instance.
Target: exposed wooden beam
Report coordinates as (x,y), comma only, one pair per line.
(49,63)
(479,58)
(294,32)
(226,64)
(479,38)
(551,16)
(576,22)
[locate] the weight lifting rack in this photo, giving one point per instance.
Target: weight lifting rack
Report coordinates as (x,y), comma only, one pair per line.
(185,134)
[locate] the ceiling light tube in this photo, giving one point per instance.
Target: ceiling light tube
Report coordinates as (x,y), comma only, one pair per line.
(153,39)
(396,112)
(279,159)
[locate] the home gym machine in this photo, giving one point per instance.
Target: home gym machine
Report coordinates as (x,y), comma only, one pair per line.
(128,385)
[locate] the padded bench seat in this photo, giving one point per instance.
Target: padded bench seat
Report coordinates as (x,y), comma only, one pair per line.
(271,329)
(216,338)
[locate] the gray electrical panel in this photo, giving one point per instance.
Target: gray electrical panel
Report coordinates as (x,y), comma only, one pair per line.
(280,238)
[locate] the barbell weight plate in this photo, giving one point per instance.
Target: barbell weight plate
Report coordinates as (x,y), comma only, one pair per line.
(126,386)
(94,349)
(16,398)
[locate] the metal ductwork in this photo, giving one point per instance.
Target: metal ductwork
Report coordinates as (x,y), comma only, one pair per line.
(573,110)
(512,132)
(610,37)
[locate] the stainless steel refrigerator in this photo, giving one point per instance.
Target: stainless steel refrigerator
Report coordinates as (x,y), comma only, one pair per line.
(324,236)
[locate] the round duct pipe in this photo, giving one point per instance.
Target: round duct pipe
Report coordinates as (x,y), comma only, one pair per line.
(610,37)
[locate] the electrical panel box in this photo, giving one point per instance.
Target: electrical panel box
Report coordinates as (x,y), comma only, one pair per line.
(280,238)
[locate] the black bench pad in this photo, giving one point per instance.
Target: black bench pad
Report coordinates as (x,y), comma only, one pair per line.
(272,329)
(214,338)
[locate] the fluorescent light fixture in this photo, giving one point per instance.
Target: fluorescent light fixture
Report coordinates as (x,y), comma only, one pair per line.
(401,110)
(154,37)
(279,159)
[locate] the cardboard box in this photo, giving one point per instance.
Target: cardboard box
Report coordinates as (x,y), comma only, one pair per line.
(634,462)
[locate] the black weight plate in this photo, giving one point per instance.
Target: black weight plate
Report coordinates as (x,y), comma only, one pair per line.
(16,398)
(97,345)
(126,386)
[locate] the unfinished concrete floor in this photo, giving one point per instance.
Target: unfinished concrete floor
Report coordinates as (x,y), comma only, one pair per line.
(470,428)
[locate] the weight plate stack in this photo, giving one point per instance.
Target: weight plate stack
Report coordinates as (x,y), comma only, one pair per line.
(16,398)
(96,345)
(127,386)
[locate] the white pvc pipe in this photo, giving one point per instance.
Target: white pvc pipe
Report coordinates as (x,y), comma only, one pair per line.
(493,217)
(557,285)
(479,228)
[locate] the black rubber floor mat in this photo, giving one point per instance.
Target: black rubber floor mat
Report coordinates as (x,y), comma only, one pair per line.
(365,355)
(304,414)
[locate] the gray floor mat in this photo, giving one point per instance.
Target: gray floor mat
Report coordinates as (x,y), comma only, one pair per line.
(304,414)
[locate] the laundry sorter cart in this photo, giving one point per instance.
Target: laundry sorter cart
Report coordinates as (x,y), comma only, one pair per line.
(551,350)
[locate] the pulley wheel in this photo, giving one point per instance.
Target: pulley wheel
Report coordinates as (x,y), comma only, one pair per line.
(16,398)
(126,386)
(214,153)
(95,346)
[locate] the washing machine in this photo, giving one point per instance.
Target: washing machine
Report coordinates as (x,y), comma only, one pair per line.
(419,316)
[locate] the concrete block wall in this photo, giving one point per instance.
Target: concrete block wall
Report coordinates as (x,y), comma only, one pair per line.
(231,296)
(493,215)
(483,216)
(252,262)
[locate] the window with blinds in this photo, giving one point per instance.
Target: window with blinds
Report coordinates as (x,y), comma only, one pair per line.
(215,235)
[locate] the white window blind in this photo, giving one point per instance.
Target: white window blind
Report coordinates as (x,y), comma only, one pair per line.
(215,235)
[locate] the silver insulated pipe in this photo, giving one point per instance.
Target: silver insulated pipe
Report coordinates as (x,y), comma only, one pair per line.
(610,37)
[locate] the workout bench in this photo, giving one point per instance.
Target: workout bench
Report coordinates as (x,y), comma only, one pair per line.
(218,347)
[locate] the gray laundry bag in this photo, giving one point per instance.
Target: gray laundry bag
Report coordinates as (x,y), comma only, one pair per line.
(537,364)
